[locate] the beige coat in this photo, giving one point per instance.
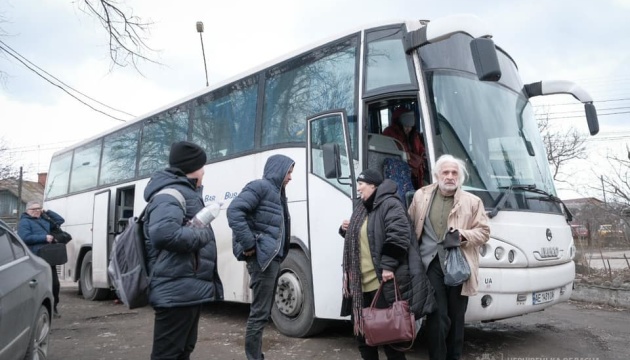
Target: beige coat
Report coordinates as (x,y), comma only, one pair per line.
(468,216)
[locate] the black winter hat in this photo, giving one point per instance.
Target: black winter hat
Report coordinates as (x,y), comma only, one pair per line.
(370,176)
(187,157)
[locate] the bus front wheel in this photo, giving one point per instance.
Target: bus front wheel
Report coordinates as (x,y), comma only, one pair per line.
(85,281)
(293,311)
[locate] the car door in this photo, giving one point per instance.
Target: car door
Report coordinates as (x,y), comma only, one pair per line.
(17,279)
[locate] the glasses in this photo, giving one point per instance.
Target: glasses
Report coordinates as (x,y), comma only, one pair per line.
(35,209)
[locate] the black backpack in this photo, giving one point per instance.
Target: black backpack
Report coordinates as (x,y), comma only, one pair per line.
(127,263)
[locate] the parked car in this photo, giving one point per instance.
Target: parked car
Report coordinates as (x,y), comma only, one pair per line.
(579,231)
(25,300)
(608,230)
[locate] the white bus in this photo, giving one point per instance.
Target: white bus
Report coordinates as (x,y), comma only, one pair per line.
(326,107)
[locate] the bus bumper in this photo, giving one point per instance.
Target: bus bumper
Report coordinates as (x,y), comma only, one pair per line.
(506,292)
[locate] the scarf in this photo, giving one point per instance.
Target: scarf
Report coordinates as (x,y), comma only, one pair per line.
(352,262)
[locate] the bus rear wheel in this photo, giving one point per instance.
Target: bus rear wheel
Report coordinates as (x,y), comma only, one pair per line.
(293,311)
(85,281)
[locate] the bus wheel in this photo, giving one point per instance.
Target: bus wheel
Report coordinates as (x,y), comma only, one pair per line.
(293,312)
(85,282)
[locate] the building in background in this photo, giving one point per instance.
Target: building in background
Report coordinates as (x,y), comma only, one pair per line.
(13,202)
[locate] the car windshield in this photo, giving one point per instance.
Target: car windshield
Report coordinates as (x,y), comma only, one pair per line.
(493,129)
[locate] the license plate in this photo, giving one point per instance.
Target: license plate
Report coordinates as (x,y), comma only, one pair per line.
(543,297)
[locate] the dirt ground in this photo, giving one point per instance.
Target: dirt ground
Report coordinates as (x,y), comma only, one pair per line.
(106,330)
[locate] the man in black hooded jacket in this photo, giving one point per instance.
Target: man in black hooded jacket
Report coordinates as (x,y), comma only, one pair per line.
(182,260)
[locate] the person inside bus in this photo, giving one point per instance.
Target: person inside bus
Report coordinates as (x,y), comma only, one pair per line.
(378,245)
(261,234)
(181,259)
(35,231)
(436,208)
(403,129)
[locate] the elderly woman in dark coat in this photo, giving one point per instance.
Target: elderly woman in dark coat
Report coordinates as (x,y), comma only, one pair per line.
(380,244)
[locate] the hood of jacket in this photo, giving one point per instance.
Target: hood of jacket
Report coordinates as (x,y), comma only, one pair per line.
(388,188)
(171,177)
(276,169)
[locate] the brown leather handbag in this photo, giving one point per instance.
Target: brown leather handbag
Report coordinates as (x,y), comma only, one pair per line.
(394,324)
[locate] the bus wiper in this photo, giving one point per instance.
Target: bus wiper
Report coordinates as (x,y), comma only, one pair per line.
(503,197)
(548,197)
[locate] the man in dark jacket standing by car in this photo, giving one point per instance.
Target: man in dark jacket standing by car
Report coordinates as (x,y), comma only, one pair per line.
(34,229)
(182,260)
(261,227)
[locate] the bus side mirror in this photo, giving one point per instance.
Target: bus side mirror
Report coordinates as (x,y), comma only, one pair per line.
(485,58)
(591,118)
(332,162)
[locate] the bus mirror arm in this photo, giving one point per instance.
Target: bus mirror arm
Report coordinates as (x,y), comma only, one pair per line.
(548,87)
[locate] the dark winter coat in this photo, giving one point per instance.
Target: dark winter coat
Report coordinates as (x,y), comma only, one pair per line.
(259,216)
(34,230)
(181,260)
(393,247)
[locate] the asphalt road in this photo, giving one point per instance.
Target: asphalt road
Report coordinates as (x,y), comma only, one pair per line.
(105,330)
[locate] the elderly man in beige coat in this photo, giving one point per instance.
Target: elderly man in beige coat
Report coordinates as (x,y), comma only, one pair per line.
(437,209)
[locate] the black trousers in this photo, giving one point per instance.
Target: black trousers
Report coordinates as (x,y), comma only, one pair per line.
(445,326)
(175,332)
(56,286)
(371,352)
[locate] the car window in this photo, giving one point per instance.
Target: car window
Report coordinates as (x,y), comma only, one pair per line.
(18,248)
(6,252)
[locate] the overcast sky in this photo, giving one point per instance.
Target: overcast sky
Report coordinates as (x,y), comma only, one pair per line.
(579,40)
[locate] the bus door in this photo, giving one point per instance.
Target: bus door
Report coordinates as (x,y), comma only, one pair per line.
(331,188)
(100,244)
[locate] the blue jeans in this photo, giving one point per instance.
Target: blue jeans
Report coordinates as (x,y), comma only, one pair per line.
(263,285)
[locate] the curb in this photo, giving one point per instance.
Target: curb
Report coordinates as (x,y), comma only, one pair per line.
(602,295)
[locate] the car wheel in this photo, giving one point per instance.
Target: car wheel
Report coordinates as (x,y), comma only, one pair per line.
(85,282)
(293,312)
(38,345)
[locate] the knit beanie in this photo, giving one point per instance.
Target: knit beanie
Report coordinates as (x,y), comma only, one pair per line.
(187,157)
(370,176)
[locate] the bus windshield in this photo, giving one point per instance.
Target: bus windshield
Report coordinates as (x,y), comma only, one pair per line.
(491,127)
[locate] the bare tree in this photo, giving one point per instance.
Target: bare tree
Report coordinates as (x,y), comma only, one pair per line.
(7,167)
(615,183)
(561,147)
(126,31)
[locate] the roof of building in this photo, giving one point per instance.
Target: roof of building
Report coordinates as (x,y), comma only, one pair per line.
(31,190)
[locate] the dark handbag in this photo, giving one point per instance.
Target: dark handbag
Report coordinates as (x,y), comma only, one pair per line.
(457,268)
(60,235)
(54,253)
(55,230)
(394,324)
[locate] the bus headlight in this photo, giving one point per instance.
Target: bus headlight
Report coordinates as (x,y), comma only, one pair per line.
(482,250)
(498,253)
(511,255)
(572,251)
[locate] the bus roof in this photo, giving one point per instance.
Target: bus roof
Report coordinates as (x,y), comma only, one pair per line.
(411,25)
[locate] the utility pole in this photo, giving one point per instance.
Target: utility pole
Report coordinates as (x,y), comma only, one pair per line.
(19,199)
(203,52)
(601,177)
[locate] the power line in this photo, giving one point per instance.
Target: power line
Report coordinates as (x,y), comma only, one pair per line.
(581,116)
(578,103)
(68,86)
(582,110)
(60,87)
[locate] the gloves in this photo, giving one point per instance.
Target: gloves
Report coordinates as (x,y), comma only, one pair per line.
(452,239)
